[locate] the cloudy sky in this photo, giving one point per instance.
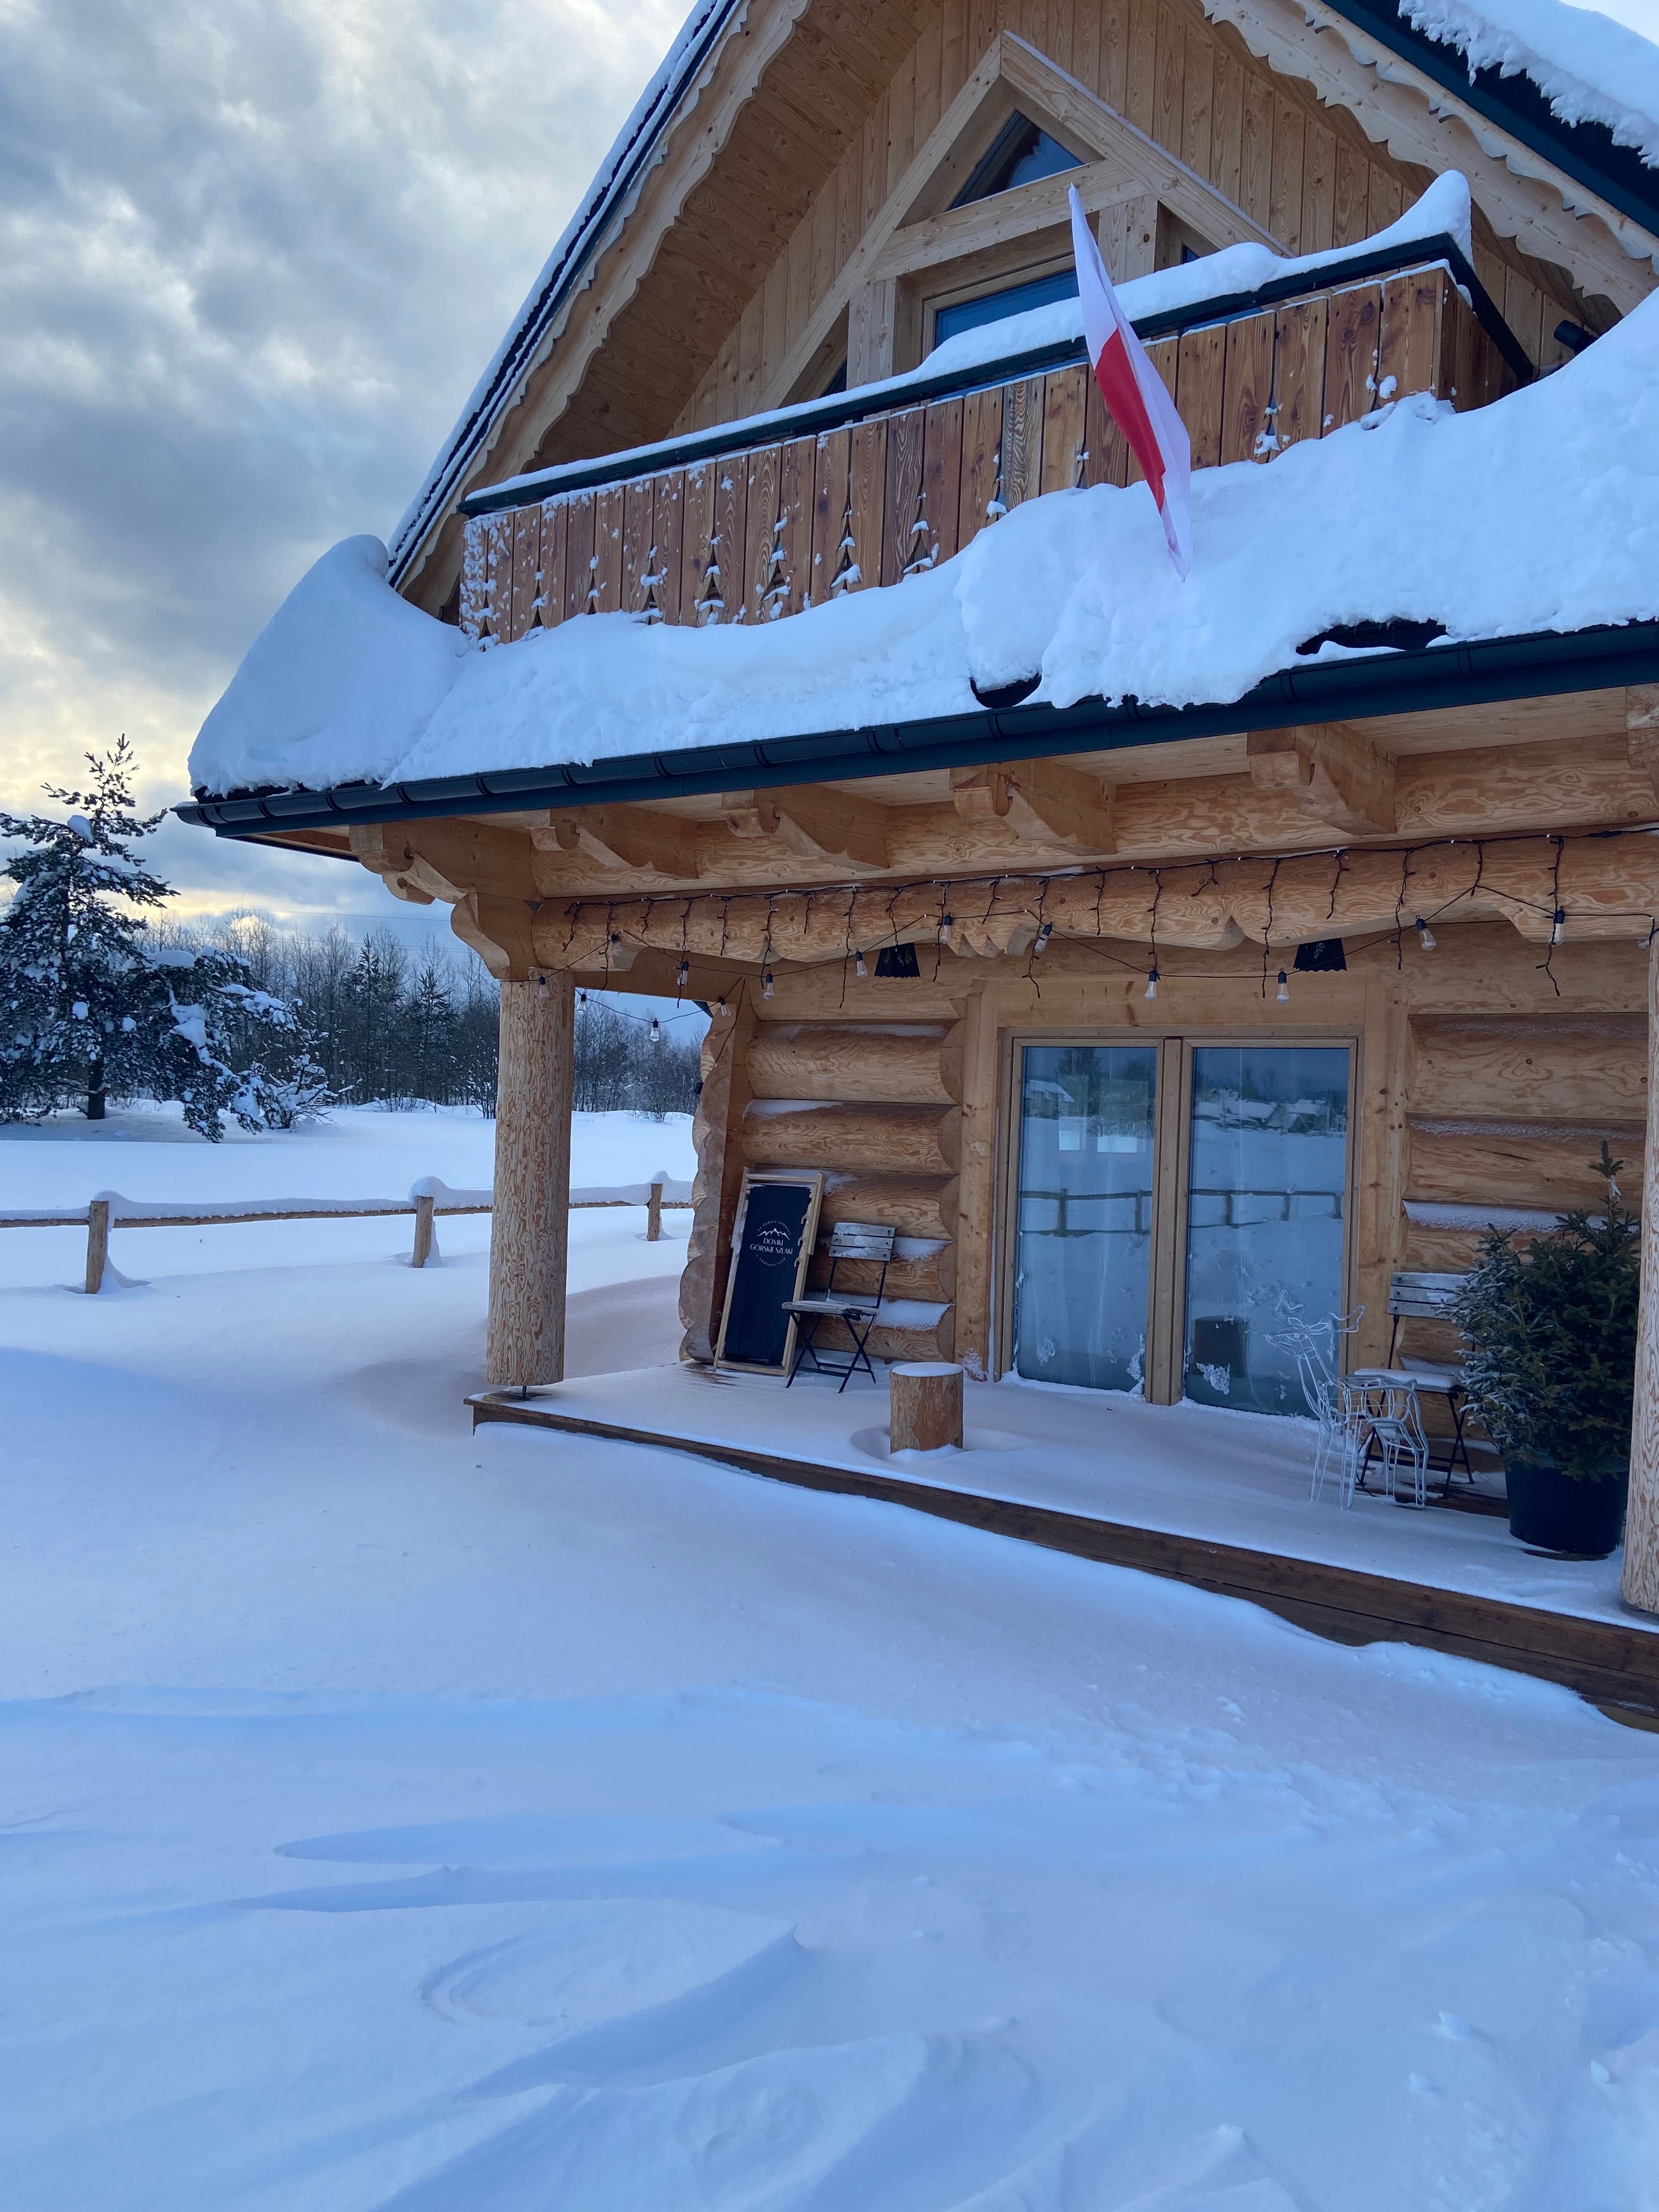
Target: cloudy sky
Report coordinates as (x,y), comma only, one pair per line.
(253,254)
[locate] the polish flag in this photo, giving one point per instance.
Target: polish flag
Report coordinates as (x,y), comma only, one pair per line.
(1136,394)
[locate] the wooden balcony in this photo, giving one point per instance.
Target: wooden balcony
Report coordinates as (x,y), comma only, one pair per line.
(739,527)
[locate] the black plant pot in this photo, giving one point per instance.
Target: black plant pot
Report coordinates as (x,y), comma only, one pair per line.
(1554,1513)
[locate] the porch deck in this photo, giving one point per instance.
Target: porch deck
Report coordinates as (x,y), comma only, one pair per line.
(1216,1498)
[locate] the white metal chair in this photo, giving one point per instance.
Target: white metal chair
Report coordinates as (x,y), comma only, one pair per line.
(1313,1347)
(1384,1418)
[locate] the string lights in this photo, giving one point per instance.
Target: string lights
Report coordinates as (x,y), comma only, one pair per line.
(1500,889)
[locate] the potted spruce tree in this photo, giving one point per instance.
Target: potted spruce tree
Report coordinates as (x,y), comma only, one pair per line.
(1551,1369)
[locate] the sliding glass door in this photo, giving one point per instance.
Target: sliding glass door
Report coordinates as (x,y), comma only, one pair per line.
(1173,1205)
(1083,1228)
(1266,1186)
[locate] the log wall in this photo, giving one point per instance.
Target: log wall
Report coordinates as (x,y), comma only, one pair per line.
(874,1105)
(1478,1089)
(751,537)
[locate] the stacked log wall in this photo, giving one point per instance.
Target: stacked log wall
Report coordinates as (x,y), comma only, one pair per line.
(1481,1093)
(874,1106)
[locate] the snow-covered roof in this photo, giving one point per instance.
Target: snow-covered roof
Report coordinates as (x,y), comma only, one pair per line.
(1538,514)
(1589,67)
(618,177)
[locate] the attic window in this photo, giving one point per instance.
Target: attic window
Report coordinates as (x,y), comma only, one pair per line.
(996,307)
(1021,151)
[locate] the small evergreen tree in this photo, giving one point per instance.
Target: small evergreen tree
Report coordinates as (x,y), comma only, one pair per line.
(89,1007)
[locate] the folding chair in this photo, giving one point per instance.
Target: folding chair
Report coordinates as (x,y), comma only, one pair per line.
(866,1241)
(1414,1297)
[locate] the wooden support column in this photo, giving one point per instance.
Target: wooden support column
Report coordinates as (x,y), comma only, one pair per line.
(1640,1586)
(530,1235)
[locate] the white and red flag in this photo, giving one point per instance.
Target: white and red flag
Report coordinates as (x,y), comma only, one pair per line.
(1135,391)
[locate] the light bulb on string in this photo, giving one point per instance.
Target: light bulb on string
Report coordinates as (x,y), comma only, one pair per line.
(1283,994)
(1151,983)
(860,967)
(656,1030)
(1043,937)
(721,1004)
(1557,925)
(766,984)
(1425,934)
(681,979)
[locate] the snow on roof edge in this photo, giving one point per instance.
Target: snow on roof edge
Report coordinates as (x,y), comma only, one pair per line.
(617,173)
(1533,38)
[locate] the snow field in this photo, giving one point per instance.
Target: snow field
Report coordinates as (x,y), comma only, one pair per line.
(358,1153)
(392,1817)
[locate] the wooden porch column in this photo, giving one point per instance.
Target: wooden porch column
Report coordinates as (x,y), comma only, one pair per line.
(1640,1587)
(530,1233)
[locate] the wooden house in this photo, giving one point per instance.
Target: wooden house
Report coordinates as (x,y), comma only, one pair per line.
(1137,1011)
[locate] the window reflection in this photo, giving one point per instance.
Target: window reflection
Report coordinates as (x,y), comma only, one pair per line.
(1083,1232)
(1266,1180)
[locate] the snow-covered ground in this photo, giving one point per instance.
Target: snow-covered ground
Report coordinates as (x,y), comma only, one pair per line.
(394,1817)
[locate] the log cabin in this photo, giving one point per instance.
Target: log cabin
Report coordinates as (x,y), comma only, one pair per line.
(785,626)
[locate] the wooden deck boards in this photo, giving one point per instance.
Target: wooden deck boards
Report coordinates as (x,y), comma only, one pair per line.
(1614,1667)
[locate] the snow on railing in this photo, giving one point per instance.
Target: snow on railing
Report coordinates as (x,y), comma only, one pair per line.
(429,1197)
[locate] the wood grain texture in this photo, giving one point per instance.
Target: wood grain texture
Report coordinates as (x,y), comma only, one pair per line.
(1247,421)
(904,534)
(530,1230)
(579,555)
(941,478)
(526,568)
(763,512)
(849,1062)
(696,539)
(1639,1585)
(638,501)
(555,514)
(865,1137)
(1299,348)
(924,1406)
(831,522)
(981,461)
(1065,406)
(867,483)
(610,512)
(1351,344)
(1199,386)
(668,526)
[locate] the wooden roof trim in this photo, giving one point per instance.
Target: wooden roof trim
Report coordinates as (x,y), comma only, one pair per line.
(1398,106)
(1127,162)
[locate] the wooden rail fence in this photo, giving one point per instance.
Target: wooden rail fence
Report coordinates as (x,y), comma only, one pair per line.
(427,1200)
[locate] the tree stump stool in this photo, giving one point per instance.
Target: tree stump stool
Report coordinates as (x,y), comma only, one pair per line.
(925,1399)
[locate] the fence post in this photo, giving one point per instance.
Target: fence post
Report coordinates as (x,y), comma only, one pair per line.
(97,1245)
(654,1214)
(422,1251)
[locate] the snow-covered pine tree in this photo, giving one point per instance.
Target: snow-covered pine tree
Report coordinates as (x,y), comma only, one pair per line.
(90,1008)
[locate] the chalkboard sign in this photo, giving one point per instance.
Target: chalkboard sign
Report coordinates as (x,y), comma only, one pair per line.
(772,1241)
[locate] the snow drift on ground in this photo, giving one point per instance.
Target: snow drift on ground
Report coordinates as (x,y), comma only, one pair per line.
(395,1818)
(1540,513)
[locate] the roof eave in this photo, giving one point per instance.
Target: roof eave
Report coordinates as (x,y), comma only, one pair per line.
(1353,689)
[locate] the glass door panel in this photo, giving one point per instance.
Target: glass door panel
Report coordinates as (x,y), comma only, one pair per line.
(1266,1179)
(1083,1232)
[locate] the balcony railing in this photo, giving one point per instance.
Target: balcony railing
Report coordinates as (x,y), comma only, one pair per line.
(736,526)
